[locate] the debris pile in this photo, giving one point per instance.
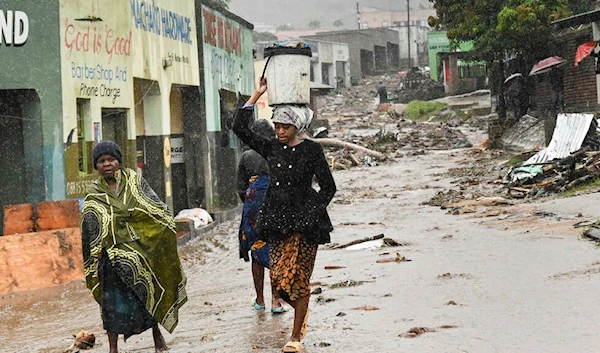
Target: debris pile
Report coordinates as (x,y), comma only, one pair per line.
(431,136)
(361,133)
(417,85)
(579,168)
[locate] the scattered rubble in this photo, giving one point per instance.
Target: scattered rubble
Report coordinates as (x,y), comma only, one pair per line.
(348,283)
(363,133)
(366,308)
(417,331)
(83,340)
(397,258)
(579,168)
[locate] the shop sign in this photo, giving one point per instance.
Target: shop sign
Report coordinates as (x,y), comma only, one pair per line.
(177,151)
(14,28)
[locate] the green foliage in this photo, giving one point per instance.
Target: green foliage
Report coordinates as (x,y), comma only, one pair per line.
(422,110)
(314,24)
(338,24)
(593,186)
(515,160)
(500,29)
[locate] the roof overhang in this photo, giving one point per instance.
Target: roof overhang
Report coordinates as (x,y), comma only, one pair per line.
(577,20)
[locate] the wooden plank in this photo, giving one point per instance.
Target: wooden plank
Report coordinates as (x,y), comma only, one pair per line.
(40,260)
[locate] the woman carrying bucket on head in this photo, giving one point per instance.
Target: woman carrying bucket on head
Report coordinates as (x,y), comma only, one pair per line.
(293,218)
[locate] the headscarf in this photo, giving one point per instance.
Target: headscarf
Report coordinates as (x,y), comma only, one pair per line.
(107,147)
(300,117)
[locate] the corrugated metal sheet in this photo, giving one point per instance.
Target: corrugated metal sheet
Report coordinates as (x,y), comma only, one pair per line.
(567,138)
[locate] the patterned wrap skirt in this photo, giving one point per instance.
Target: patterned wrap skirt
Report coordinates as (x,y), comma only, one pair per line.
(248,235)
(292,263)
(122,311)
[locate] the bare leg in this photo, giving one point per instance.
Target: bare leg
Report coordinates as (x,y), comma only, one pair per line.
(159,341)
(258,275)
(300,309)
(112,342)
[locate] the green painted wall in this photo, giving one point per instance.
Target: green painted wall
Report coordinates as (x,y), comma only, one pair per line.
(438,42)
(228,62)
(36,65)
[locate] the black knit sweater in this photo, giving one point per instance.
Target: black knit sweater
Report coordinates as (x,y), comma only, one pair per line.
(291,204)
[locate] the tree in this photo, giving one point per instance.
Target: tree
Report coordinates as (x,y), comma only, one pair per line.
(338,24)
(264,37)
(285,27)
(500,29)
(314,24)
(581,6)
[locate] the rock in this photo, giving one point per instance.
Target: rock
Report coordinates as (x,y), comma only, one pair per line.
(84,340)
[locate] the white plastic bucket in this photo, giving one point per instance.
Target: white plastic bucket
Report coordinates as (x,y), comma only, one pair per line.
(288,77)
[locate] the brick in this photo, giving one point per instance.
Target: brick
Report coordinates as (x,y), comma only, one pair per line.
(580,91)
(18,219)
(53,215)
(383,107)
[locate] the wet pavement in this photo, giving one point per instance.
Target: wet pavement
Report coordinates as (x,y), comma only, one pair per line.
(475,285)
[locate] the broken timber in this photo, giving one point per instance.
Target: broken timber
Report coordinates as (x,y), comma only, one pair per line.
(343,144)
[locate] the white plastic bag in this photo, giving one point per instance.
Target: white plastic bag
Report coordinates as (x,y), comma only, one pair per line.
(198,215)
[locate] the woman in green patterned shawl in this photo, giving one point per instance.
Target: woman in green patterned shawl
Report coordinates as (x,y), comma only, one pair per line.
(130,252)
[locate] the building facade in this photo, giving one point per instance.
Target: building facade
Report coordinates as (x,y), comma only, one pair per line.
(371,51)
(412,34)
(124,68)
(30,104)
(330,63)
(384,19)
(160,78)
(227,75)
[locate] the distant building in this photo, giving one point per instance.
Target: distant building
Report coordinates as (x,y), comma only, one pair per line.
(398,20)
(379,19)
(448,65)
(297,34)
(330,63)
(371,51)
(263,27)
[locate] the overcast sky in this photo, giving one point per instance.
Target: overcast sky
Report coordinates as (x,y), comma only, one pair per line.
(300,12)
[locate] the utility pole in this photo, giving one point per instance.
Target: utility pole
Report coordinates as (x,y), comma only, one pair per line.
(408,30)
(358,15)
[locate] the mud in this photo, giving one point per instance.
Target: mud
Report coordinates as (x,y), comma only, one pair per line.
(507,277)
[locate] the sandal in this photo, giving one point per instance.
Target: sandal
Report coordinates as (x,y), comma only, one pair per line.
(258,307)
(278,310)
(293,347)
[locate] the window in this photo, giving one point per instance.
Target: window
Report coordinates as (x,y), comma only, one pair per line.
(83,150)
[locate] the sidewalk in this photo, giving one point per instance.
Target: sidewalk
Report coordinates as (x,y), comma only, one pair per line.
(193,233)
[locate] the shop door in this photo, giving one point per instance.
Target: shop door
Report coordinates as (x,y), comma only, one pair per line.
(340,74)
(114,126)
(12,175)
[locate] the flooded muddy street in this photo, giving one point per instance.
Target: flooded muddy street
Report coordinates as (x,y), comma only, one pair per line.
(473,284)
